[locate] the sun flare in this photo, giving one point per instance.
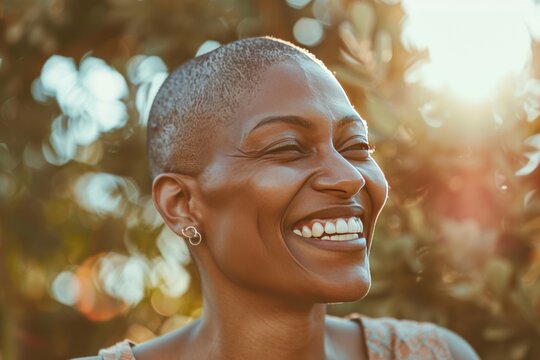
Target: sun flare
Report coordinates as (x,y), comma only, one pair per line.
(472,44)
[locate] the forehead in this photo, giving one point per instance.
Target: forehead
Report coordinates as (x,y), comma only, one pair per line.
(296,88)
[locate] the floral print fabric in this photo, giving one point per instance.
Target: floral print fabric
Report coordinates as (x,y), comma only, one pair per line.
(392,339)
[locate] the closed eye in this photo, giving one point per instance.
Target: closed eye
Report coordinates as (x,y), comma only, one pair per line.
(360,151)
(287,147)
(361,146)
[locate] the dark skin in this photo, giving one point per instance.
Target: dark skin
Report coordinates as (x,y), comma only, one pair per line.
(265,288)
(260,280)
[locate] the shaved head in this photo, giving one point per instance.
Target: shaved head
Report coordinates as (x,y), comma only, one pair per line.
(203,95)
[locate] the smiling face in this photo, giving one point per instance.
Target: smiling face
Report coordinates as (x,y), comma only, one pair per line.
(295,164)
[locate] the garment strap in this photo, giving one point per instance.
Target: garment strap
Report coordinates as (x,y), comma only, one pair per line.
(357,318)
(120,351)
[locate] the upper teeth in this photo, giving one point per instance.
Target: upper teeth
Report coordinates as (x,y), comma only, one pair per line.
(331,226)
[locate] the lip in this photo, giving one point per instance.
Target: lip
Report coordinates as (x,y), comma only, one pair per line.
(336,212)
(342,211)
(355,245)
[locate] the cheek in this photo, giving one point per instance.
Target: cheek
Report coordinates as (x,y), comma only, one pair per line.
(263,186)
(377,186)
(244,210)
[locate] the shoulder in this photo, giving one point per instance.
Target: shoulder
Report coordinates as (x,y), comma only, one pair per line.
(120,351)
(175,344)
(391,336)
(460,349)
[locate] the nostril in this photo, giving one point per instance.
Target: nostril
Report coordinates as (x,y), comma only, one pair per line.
(348,184)
(336,174)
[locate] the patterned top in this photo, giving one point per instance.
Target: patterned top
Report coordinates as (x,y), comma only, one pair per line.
(388,338)
(385,339)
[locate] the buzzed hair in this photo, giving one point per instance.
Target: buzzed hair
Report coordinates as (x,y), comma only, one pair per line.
(204,94)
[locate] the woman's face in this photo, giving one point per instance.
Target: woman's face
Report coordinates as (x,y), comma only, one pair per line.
(296,161)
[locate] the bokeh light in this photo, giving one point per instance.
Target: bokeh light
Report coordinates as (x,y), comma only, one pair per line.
(107,284)
(308,31)
(148,72)
(90,99)
(207,46)
(297,4)
(65,288)
(104,193)
(123,277)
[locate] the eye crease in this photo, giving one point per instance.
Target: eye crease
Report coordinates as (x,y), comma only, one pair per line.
(361,146)
(357,143)
(292,145)
(287,146)
(282,147)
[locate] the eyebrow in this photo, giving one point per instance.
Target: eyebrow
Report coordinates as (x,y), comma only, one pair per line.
(349,119)
(302,122)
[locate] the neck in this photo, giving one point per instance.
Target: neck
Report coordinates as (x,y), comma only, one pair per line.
(244,324)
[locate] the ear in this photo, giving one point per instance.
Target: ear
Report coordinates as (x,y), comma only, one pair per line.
(172,197)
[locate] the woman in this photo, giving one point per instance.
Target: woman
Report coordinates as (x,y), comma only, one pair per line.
(262,164)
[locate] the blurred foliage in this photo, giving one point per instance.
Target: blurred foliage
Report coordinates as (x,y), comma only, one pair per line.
(85,261)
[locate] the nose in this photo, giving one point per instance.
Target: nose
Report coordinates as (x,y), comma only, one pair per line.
(338,176)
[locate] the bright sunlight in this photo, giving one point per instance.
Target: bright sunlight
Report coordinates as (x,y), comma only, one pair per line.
(473,45)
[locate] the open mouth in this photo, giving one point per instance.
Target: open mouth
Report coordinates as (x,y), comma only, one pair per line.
(336,229)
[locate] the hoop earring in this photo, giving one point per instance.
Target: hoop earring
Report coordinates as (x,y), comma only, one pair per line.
(196,235)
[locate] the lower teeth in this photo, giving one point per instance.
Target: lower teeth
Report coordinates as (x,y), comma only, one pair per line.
(340,237)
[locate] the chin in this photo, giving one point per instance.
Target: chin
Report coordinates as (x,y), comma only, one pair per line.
(346,290)
(350,293)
